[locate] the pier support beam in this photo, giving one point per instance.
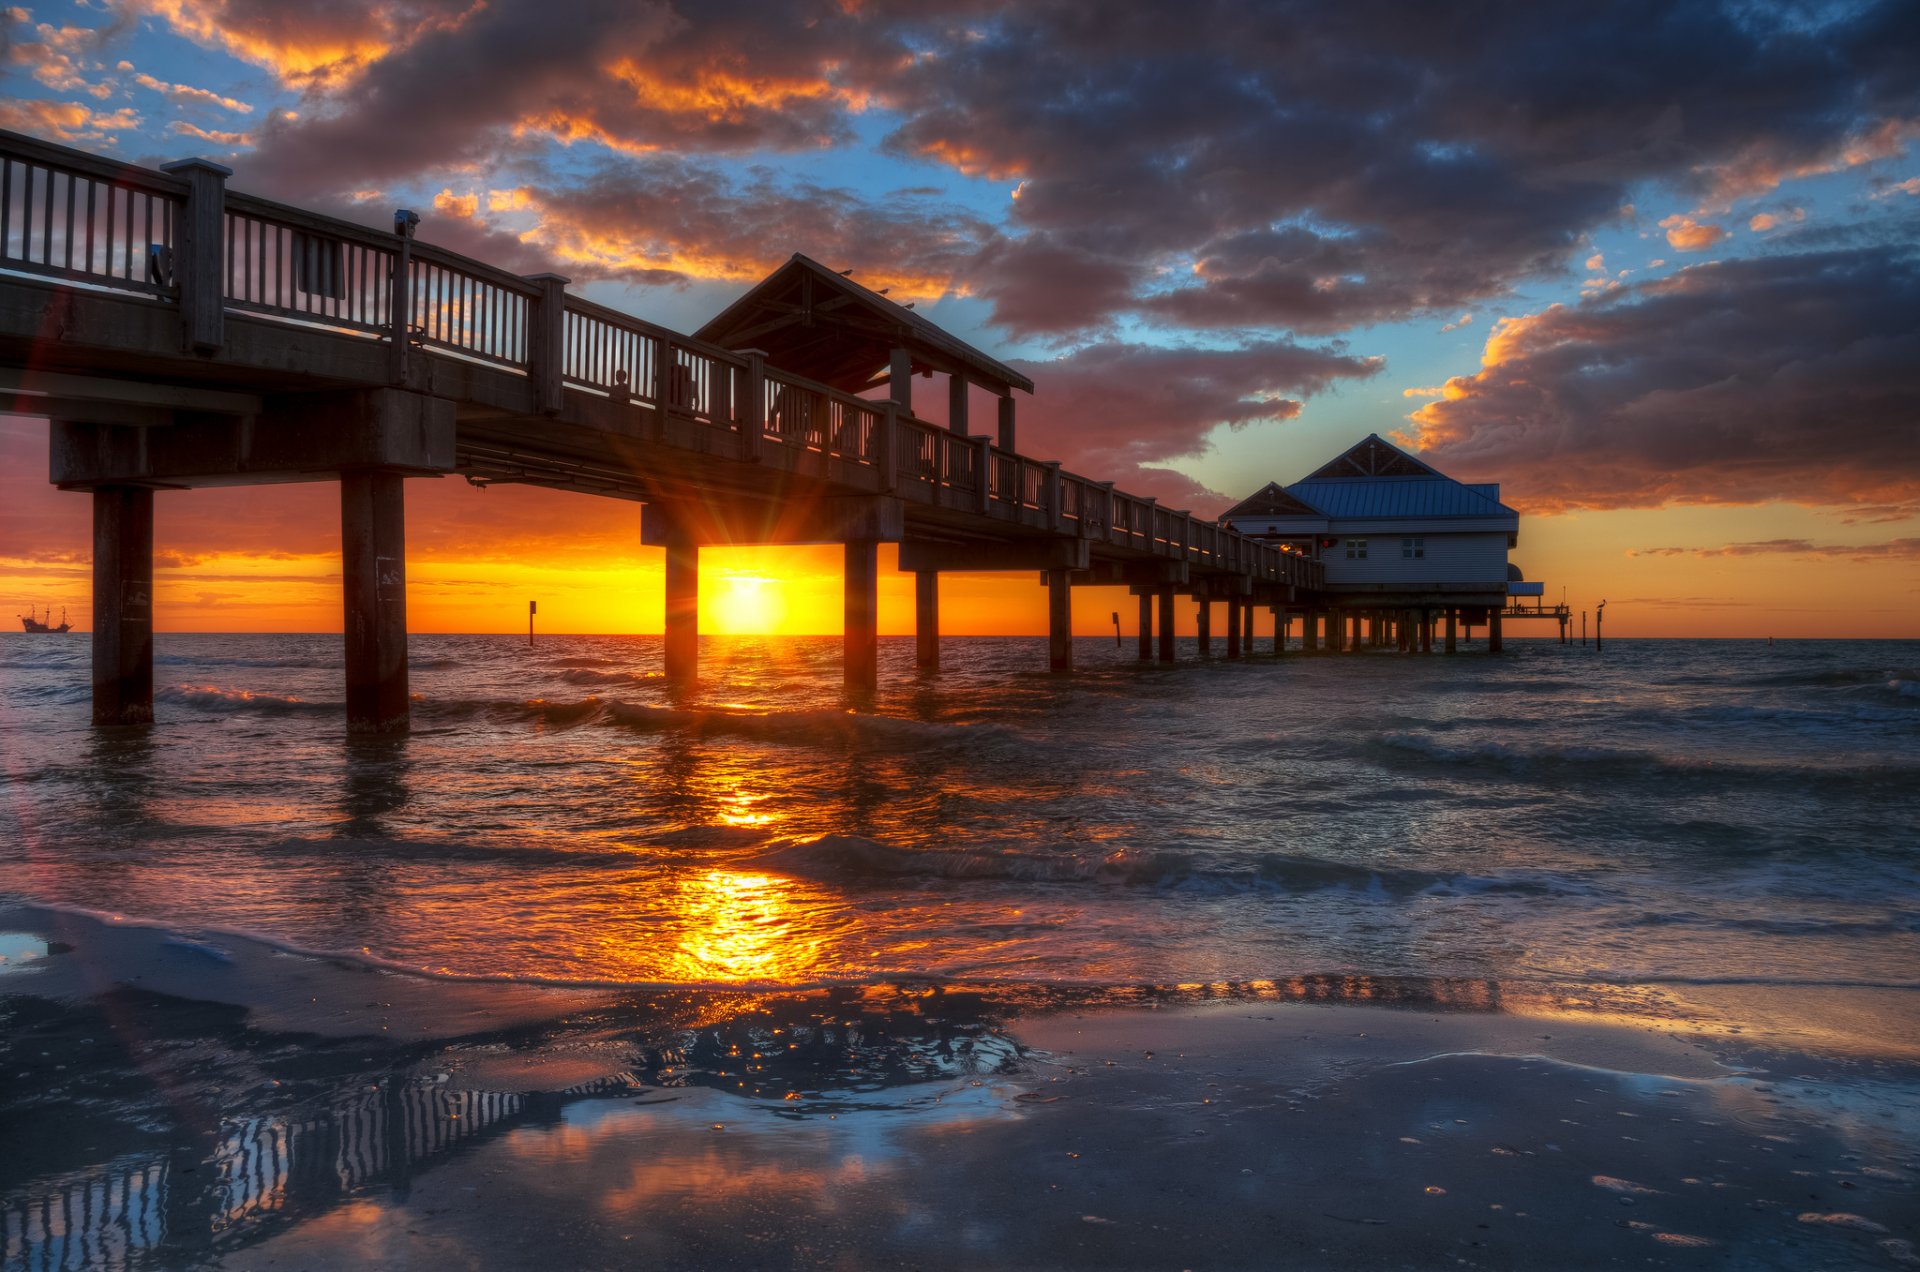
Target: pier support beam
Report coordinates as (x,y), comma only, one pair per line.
(1233,627)
(1310,631)
(926,619)
(683,610)
(1453,644)
(1426,631)
(1203,627)
(122,605)
(1059,621)
(373,566)
(1246,622)
(1493,633)
(1146,626)
(1281,621)
(1166,624)
(860,642)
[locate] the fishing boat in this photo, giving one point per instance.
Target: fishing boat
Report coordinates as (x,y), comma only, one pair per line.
(33,623)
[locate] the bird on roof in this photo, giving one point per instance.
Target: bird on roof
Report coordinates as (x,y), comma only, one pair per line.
(883,291)
(845,272)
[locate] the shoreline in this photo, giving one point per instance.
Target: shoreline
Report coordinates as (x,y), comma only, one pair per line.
(301,1111)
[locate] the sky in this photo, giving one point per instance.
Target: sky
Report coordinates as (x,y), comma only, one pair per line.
(1650,266)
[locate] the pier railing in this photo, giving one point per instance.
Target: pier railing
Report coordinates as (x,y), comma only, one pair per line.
(180,237)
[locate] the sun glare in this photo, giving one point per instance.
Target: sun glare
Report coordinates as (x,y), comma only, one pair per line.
(748,605)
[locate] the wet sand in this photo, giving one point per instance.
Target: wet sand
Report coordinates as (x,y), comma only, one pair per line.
(204,1100)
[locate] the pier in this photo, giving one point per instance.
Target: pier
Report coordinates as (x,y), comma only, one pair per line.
(178,334)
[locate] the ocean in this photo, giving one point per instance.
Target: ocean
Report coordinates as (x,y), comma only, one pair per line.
(1724,830)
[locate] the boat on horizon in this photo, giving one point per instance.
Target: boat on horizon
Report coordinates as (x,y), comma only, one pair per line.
(32,623)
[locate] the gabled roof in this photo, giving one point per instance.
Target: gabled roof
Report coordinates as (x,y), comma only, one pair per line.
(1375,478)
(1270,501)
(1374,457)
(817,322)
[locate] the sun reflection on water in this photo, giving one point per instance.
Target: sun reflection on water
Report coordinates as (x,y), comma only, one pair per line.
(744,926)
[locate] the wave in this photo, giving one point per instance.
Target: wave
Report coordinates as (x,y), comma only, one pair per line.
(442,851)
(1599,762)
(845,858)
(821,725)
(214,698)
(1893,925)
(593,676)
(196,660)
(539,711)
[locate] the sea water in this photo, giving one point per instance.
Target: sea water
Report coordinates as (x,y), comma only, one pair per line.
(1658,821)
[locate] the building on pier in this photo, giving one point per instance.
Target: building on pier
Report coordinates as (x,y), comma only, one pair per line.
(1396,535)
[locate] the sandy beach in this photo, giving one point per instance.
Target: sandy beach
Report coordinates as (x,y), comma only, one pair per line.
(200,1099)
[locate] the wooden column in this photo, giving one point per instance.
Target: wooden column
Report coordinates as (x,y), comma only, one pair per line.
(1203,628)
(122,605)
(1233,627)
(1146,626)
(373,566)
(1493,633)
(860,641)
(1166,624)
(926,619)
(683,611)
(1453,617)
(957,404)
(1281,621)
(1310,630)
(1246,623)
(1059,621)
(1426,631)
(1006,439)
(900,380)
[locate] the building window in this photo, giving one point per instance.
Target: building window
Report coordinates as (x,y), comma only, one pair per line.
(1356,549)
(1413,549)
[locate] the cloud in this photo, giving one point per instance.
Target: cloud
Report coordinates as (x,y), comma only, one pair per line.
(1793,378)
(214,135)
(186,94)
(1891,548)
(1910,186)
(1464,320)
(1684,234)
(1221,166)
(1122,412)
(66,121)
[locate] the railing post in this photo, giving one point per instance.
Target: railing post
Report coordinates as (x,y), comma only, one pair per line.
(400,301)
(1055,514)
(1153,509)
(883,445)
(197,249)
(983,461)
(547,353)
(752,403)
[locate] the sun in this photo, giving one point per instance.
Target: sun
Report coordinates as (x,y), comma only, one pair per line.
(747,604)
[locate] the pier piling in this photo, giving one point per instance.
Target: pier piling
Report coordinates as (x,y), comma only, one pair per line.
(1059,621)
(926,620)
(373,560)
(683,610)
(860,643)
(122,605)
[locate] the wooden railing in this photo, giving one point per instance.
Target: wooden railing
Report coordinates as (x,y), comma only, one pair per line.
(181,237)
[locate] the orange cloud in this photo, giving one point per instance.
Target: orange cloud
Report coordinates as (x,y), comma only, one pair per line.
(66,121)
(1762,167)
(191,95)
(1685,234)
(325,45)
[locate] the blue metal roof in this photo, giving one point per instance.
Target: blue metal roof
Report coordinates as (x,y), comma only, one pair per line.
(1398,497)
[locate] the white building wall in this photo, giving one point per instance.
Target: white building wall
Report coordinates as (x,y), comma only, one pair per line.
(1448,558)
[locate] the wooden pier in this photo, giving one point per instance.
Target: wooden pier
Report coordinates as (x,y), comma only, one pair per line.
(178,334)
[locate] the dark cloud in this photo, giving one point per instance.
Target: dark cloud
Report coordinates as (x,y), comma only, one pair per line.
(1901,548)
(1122,412)
(1790,378)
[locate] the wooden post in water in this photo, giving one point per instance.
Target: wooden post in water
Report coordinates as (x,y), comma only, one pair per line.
(1203,627)
(1166,624)
(926,619)
(1426,631)
(1146,626)
(1233,627)
(1059,621)
(1452,618)
(860,639)
(1600,609)
(1309,630)
(122,605)
(1246,634)
(682,639)
(1493,632)
(532,608)
(373,567)
(1281,621)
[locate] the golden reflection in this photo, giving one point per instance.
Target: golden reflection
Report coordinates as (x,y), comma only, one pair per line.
(743,926)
